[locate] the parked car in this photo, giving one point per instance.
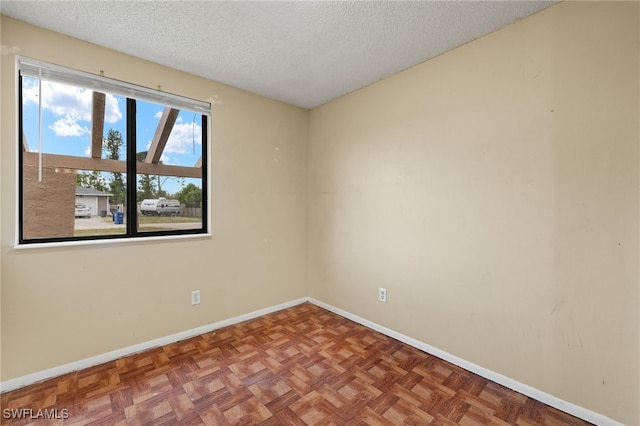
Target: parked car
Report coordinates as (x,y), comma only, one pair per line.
(83,211)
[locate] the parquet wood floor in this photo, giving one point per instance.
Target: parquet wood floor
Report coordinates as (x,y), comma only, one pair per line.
(300,366)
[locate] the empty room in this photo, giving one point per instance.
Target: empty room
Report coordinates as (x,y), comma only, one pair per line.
(323,213)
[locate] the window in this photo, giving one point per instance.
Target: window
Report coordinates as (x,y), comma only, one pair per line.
(103,159)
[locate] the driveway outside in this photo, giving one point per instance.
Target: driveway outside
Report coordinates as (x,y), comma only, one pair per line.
(97,222)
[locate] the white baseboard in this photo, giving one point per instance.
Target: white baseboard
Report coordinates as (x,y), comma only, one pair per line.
(19,382)
(567,407)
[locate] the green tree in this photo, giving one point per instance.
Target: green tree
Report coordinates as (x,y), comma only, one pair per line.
(112,145)
(146,188)
(150,186)
(93,180)
(189,194)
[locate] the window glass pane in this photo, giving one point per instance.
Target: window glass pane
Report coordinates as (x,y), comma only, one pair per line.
(76,181)
(65,193)
(30,113)
(169,179)
(96,212)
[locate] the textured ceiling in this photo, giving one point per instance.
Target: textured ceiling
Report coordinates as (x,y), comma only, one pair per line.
(304,53)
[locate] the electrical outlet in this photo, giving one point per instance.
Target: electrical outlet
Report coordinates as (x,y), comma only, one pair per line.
(382,294)
(195,297)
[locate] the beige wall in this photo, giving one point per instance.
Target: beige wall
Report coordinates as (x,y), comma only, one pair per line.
(494,191)
(52,315)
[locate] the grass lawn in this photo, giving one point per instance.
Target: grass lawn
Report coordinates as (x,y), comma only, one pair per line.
(109,231)
(167,219)
(143,221)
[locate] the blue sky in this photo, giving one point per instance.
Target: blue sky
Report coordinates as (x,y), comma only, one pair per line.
(66,125)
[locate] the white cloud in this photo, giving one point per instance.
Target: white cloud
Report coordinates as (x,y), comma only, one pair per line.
(112,112)
(182,138)
(71,104)
(30,91)
(68,126)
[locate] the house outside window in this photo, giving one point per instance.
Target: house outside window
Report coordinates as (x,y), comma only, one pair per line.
(93,151)
(96,201)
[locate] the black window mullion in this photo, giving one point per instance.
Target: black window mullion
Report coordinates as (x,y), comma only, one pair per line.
(132,204)
(205,164)
(20,164)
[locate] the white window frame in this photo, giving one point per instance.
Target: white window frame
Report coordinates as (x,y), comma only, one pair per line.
(36,68)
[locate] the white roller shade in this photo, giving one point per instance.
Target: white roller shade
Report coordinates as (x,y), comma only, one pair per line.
(57,73)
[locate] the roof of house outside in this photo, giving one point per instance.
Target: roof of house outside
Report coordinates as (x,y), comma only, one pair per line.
(90,191)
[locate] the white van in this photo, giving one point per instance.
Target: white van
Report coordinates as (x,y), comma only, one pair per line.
(160,207)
